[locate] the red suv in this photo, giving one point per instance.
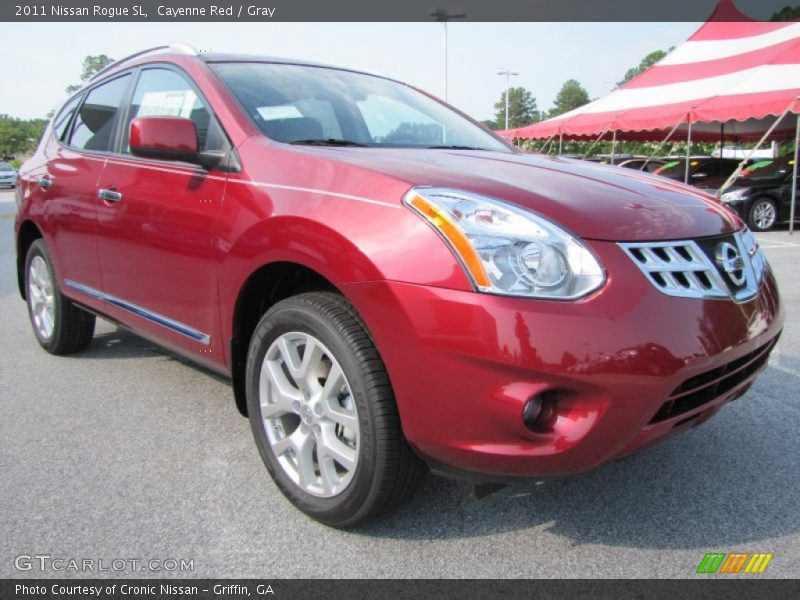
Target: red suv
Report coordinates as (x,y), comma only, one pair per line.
(389,286)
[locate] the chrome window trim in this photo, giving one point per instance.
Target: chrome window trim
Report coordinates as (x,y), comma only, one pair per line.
(139,311)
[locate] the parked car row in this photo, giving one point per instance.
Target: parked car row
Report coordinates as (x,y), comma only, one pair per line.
(761,195)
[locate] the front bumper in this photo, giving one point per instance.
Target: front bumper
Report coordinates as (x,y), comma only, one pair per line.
(629,366)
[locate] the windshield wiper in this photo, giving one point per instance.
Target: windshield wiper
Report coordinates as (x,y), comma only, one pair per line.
(453,147)
(328,142)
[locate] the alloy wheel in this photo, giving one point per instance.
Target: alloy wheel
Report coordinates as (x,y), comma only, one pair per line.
(41,297)
(764,214)
(309,414)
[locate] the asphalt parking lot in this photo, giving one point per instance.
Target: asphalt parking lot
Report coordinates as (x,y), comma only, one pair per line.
(125,451)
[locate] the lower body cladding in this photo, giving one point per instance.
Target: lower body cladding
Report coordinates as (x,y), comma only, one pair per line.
(492,387)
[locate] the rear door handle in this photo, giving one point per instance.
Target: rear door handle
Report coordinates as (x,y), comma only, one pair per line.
(109,195)
(45,182)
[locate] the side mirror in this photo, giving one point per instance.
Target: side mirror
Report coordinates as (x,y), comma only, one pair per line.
(170,138)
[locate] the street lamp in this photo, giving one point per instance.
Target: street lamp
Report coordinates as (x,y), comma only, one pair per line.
(443,15)
(509,74)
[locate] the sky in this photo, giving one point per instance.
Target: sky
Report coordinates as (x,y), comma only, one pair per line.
(40,59)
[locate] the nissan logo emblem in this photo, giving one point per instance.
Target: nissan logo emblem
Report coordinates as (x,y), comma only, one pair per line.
(730,261)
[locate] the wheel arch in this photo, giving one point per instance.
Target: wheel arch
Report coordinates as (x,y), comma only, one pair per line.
(28,233)
(267,285)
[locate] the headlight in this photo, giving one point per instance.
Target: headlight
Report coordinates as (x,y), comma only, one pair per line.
(508,250)
(734,196)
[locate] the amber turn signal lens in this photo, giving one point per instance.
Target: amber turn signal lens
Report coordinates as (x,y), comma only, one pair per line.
(458,241)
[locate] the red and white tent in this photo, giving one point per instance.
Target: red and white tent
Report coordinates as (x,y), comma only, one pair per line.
(738,74)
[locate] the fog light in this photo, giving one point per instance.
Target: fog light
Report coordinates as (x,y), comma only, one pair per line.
(539,411)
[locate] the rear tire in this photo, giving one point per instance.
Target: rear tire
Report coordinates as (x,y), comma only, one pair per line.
(318,394)
(59,325)
(763,214)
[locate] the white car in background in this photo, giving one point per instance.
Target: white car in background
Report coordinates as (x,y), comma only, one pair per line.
(8,175)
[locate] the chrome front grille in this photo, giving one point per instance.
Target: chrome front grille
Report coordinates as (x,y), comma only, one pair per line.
(689,269)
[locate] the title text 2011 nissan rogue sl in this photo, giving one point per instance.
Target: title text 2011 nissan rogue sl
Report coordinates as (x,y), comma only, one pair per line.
(388,285)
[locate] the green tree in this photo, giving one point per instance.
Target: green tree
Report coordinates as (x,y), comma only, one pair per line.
(787,13)
(19,136)
(91,65)
(647,62)
(571,96)
(521,109)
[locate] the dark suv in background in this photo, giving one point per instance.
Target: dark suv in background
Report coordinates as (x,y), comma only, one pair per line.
(762,196)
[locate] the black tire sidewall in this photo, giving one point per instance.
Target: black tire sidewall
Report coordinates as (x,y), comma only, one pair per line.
(345,506)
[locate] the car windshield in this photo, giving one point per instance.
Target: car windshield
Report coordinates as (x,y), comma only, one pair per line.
(6,167)
(672,168)
(769,169)
(323,106)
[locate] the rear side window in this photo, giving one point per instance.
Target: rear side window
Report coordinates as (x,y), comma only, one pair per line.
(165,93)
(94,124)
(64,118)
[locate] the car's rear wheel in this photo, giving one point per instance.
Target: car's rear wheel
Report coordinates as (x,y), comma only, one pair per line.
(323,413)
(59,325)
(763,214)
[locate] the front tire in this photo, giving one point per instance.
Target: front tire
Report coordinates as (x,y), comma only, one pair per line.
(763,214)
(323,412)
(59,325)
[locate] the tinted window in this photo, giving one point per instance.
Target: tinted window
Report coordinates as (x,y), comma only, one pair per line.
(727,167)
(94,124)
(165,93)
(780,168)
(673,168)
(6,167)
(64,118)
(294,103)
(709,169)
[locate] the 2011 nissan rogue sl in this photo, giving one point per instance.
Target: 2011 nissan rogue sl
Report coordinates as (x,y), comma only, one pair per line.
(389,286)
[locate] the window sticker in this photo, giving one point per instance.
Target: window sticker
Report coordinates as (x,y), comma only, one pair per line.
(179,103)
(666,166)
(271,113)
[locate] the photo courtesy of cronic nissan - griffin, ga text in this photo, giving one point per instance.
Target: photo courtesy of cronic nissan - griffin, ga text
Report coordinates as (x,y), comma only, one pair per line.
(391,288)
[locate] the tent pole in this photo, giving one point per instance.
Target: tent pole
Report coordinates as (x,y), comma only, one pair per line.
(749,155)
(688,149)
(664,141)
(794,176)
(721,138)
(594,143)
(560,143)
(613,146)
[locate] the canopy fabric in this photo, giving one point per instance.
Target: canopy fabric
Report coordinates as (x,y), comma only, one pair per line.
(741,74)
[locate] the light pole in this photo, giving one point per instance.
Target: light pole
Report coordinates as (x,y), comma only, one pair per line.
(509,74)
(443,15)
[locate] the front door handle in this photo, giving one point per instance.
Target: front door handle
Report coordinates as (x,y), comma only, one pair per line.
(109,195)
(45,182)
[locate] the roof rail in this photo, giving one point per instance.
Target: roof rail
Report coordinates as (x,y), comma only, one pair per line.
(178,47)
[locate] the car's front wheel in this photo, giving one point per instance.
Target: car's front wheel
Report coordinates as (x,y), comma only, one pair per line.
(763,214)
(60,326)
(323,413)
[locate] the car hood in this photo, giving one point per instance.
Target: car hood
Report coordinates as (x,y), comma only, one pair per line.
(591,200)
